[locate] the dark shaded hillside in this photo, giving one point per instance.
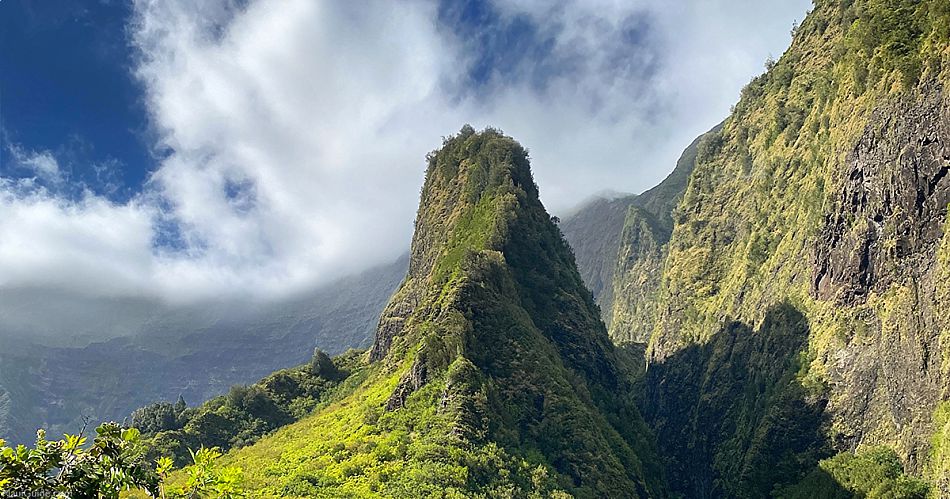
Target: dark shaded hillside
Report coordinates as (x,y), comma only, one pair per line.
(54,387)
(751,421)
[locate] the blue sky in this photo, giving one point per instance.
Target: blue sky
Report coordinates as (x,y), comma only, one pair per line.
(185,151)
(67,87)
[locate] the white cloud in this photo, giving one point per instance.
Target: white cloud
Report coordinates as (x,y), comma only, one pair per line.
(293,132)
(612,125)
(89,246)
(41,163)
(322,111)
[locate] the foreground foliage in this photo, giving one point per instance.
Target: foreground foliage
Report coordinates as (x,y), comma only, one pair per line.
(66,468)
(113,464)
(875,473)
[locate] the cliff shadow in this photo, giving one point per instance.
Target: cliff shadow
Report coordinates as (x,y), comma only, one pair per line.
(731,416)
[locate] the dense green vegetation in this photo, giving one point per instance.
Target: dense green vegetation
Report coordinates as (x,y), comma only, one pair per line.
(644,243)
(66,468)
(620,245)
(939,468)
(246,413)
(738,422)
(875,473)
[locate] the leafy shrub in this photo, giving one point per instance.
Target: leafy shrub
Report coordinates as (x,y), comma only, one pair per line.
(322,365)
(64,468)
(876,473)
(160,416)
(204,477)
(115,463)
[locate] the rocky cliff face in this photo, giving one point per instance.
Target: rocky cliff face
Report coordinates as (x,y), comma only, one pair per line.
(886,222)
(804,267)
(879,243)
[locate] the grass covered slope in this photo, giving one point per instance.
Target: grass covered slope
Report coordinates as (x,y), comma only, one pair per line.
(246,413)
(491,374)
(804,267)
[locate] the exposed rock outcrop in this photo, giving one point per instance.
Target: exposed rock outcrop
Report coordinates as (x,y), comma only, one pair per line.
(886,223)
(881,238)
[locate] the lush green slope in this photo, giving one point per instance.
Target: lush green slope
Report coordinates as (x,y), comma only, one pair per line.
(643,247)
(491,373)
(802,305)
(246,413)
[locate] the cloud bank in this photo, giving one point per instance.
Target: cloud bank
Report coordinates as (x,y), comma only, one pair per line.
(291,135)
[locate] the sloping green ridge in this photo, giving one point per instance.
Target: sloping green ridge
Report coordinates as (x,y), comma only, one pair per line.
(492,374)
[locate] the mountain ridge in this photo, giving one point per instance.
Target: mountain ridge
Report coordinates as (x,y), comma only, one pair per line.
(491,354)
(617,236)
(805,271)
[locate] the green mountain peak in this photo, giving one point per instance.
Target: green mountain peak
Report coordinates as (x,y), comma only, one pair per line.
(473,184)
(494,314)
(491,371)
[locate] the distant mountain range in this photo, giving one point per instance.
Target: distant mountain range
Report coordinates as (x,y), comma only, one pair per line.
(195,352)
